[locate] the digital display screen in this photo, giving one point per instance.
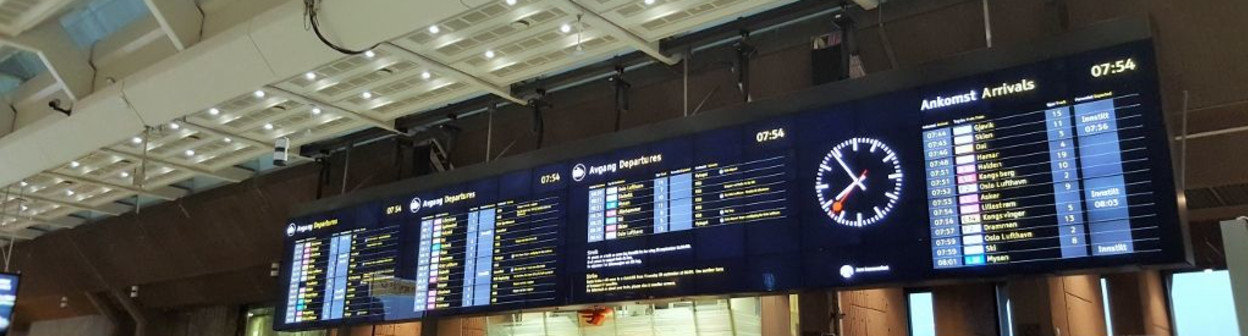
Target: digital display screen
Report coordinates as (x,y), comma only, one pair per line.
(8,299)
(1056,165)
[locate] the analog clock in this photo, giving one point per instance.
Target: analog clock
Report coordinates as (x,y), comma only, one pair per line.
(859,182)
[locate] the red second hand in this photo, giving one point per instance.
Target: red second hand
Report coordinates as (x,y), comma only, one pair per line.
(840,205)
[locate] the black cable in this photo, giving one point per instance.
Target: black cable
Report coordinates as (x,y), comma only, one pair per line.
(310,10)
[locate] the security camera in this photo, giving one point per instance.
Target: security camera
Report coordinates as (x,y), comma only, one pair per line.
(281,152)
(55,105)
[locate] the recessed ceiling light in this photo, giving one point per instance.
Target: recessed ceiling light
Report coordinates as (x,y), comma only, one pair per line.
(310,75)
(175,126)
(565,28)
(511,2)
(366,95)
(23,184)
(425,75)
(268,127)
(489,54)
(434,29)
(316,110)
(227,140)
(214,111)
(74,164)
(258,93)
(369,54)
(648,2)
(24,208)
(125,174)
(69,192)
(190,152)
(136,140)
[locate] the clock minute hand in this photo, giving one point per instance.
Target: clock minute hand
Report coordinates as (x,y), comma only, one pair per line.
(857,181)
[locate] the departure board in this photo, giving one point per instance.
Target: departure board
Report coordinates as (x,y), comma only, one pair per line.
(8,299)
(1039,167)
(494,254)
(330,277)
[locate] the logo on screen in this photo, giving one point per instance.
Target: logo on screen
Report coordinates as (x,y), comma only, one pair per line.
(290,230)
(578,172)
(415,205)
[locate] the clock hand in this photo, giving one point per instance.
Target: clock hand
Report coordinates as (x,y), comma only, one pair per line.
(851,175)
(857,182)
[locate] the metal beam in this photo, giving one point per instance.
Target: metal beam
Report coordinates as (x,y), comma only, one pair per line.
(110,209)
(389,126)
(459,75)
(637,42)
(167,194)
(232,174)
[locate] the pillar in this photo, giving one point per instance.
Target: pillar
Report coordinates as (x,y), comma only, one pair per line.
(965,310)
(1138,304)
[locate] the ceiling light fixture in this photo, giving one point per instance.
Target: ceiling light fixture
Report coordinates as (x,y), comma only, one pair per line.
(310,75)
(125,175)
(425,75)
(489,54)
(434,29)
(648,2)
(258,93)
(136,140)
(565,28)
(366,95)
(190,152)
(370,54)
(175,126)
(511,2)
(268,127)
(228,140)
(74,164)
(214,111)
(23,184)
(69,193)
(316,111)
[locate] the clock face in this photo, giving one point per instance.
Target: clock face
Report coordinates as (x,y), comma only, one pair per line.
(859,182)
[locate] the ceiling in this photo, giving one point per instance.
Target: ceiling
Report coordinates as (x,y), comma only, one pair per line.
(481,50)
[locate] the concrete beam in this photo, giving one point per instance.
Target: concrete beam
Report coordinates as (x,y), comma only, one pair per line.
(389,126)
(180,19)
(108,209)
(164,193)
(455,73)
(68,63)
(601,23)
(231,174)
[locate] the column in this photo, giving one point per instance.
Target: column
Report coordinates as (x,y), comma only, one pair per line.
(597,207)
(470,259)
(660,205)
(680,195)
(341,271)
(296,275)
(1105,192)
(423,258)
(1067,198)
(483,284)
(331,267)
(942,198)
(968,195)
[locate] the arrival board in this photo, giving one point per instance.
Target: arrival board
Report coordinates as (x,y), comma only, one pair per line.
(1054,165)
